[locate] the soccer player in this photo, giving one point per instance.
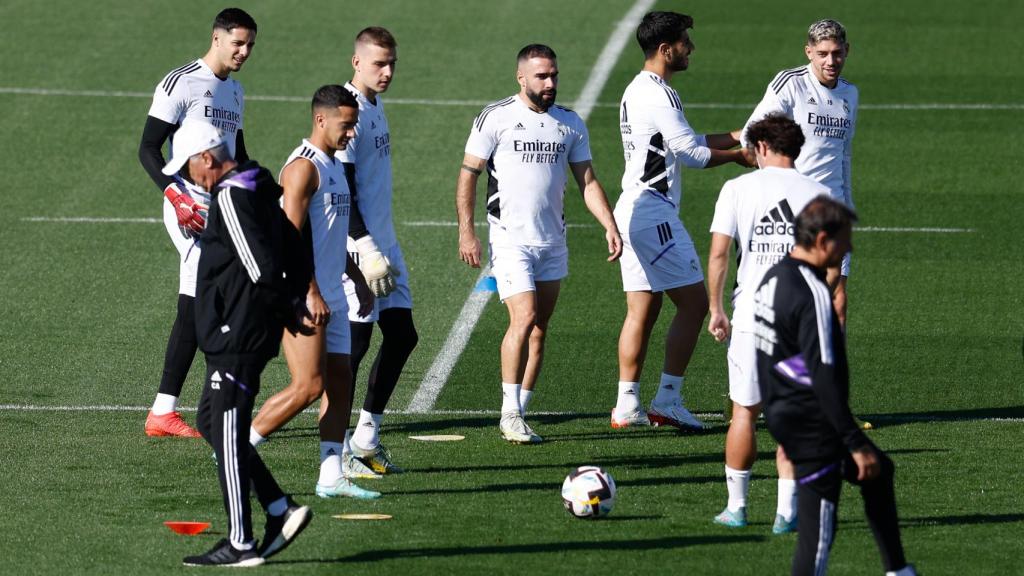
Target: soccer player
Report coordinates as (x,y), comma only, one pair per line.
(825,106)
(315,187)
(250,284)
(526,143)
(756,211)
(658,256)
(201,90)
(374,245)
(805,388)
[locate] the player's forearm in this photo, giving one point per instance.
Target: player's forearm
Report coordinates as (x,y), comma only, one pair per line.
(717,266)
(723,141)
(597,203)
(465,202)
(154,134)
(720,157)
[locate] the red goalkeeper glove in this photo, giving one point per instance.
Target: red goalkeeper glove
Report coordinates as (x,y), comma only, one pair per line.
(191,214)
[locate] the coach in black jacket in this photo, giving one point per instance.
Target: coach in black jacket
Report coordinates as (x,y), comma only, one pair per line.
(252,279)
(805,387)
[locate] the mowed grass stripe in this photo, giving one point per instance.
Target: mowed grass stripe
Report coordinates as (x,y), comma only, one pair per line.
(936,106)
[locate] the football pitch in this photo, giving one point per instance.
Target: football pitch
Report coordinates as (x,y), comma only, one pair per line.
(88,282)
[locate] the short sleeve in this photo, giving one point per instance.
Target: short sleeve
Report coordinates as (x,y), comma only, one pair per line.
(483,136)
(724,221)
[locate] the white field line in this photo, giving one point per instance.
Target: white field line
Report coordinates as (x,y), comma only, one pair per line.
(450,224)
(939,106)
(437,376)
(100,408)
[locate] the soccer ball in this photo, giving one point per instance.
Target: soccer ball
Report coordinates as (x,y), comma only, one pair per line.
(588,492)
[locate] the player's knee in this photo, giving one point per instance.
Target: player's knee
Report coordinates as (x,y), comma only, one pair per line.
(308,388)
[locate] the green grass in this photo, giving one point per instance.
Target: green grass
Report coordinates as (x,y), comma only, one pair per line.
(935,324)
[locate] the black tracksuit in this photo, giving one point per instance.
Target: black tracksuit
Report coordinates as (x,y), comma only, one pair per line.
(805,389)
(253,275)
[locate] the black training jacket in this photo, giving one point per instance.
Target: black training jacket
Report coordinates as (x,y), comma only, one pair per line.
(801,365)
(254,269)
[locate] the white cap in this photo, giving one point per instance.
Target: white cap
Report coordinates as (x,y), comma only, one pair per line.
(192,138)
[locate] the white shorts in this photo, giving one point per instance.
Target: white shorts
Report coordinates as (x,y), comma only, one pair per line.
(742,357)
(339,334)
(187,244)
(517,269)
(659,258)
(400,298)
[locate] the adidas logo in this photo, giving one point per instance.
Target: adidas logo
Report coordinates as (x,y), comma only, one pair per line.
(779,220)
(373,125)
(215,380)
(208,94)
(519,126)
(812,101)
(330,181)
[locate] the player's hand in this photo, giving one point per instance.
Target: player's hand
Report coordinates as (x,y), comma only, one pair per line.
(191,214)
(301,322)
(365,297)
(376,268)
(317,311)
(469,249)
(868,467)
(749,157)
(718,326)
(614,243)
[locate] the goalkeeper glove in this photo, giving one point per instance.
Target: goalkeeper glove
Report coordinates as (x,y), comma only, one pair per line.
(191,214)
(376,268)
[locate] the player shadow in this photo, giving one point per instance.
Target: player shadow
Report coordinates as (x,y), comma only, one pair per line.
(663,461)
(969,415)
(962,519)
(552,485)
(454,423)
(670,542)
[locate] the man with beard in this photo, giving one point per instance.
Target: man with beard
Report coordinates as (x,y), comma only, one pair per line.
(658,256)
(526,143)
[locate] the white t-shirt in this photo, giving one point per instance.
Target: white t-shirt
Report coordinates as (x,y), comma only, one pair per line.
(193,91)
(827,116)
(370,152)
(528,154)
(328,217)
(656,138)
(758,210)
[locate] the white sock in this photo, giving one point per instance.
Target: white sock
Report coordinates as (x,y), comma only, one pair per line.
(786,506)
(164,404)
(330,463)
(629,398)
(907,570)
(278,507)
(738,483)
(524,399)
(365,434)
(510,397)
(255,439)
(670,390)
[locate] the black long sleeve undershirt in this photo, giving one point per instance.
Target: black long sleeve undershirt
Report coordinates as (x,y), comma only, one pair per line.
(151,156)
(356,224)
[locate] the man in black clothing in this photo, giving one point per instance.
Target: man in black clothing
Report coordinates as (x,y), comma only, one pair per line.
(251,283)
(804,379)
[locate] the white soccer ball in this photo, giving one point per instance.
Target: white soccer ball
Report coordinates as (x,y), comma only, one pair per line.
(588,492)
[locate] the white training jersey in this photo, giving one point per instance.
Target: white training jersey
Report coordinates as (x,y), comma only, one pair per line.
(758,210)
(656,139)
(193,91)
(827,117)
(370,152)
(328,218)
(528,155)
